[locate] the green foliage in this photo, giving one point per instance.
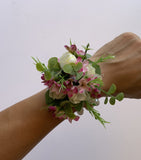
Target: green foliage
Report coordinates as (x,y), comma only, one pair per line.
(72,68)
(78,106)
(88,56)
(67,108)
(47,74)
(61,81)
(112,89)
(120,96)
(39,65)
(68,68)
(77,66)
(97,81)
(79,75)
(86,48)
(106,100)
(96,114)
(96,66)
(112,100)
(53,64)
(103,59)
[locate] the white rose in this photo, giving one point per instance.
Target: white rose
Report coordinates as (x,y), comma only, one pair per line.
(77,98)
(67,58)
(90,70)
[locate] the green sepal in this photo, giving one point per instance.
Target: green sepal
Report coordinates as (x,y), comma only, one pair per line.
(112,100)
(120,96)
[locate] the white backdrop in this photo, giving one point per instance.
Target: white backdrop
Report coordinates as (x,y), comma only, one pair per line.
(41,28)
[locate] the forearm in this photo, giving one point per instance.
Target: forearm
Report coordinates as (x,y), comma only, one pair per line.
(23,125)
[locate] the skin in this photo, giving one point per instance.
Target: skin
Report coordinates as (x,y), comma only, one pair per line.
(125,69)
(24,124)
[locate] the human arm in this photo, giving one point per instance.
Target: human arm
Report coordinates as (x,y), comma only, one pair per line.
(24,124)
(125,69)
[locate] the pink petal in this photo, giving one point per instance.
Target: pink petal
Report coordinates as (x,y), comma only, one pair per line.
(76,118)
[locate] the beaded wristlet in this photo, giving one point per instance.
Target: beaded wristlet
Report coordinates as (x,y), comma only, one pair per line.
(74,82)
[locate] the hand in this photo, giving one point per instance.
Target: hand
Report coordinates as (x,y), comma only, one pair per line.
(125,69)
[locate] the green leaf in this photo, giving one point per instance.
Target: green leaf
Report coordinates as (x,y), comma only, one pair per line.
(78,107)
(88,55)
(79,75)
(68,68)
(68,111)
(39,67)
(70,42)
(106,100)
(112,100)
(96,114)
(112,89)
(120,96)
(53,64)
(97,68)
(47,75)
(103,59)
(77,66)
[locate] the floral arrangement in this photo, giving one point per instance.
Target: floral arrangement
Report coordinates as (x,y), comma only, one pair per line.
(74,82)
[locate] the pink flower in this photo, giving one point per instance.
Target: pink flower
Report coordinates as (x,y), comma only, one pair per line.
(80,52)
(71,91)
(70,88)
(43,77)
(83,85)
(79,59)
(48,83)
(76,118)
(95,93)
(72,48)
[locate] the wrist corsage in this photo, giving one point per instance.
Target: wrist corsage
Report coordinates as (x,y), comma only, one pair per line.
(74,83)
